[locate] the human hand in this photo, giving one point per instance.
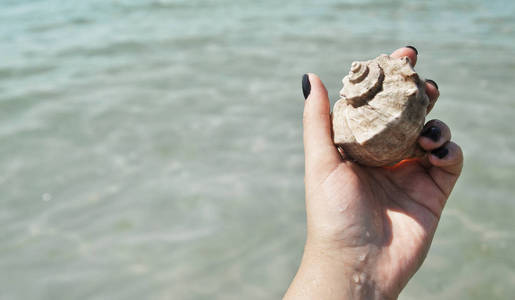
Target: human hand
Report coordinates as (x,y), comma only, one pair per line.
(368,228)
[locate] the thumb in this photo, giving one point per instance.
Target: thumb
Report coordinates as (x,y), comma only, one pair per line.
(321,155)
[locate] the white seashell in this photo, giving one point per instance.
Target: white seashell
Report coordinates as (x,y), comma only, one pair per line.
(379,118)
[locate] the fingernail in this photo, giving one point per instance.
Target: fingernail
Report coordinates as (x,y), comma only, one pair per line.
(440,152)
(432,82)
(414,49)
(306,86)
(432,132)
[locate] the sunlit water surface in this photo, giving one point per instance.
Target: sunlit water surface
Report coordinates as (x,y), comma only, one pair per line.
(152,149)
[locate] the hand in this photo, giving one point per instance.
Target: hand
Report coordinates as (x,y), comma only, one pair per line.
(369,229)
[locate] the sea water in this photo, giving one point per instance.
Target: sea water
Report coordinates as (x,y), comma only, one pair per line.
(153,149)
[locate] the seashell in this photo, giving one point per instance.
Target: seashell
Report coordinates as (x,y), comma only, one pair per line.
(381,113)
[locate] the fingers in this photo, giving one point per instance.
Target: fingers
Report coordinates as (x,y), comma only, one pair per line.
(321,154)
(408,51)
(431,86)
(434,134)
(449,158)
(444,158)
(432,92)
(447,163)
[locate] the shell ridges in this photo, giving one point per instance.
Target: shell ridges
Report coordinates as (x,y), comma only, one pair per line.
(381,112)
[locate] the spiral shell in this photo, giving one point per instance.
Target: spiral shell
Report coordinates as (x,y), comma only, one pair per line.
(379,118)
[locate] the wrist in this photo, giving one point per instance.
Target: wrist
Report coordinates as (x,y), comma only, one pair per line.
(339,273)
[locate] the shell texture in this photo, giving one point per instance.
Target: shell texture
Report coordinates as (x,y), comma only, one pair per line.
(379,118)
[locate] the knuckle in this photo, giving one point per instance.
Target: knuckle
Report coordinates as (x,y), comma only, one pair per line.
(446,131)
(459,151)
(456,153)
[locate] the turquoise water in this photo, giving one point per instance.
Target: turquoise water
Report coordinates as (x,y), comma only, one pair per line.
(152,149)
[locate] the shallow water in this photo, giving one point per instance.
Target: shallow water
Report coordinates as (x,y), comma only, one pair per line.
(152,149)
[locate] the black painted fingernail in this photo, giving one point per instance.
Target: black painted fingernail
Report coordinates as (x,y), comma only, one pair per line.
(431,81)
(432,132)
(440,152)
(414,49)
(306,86)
